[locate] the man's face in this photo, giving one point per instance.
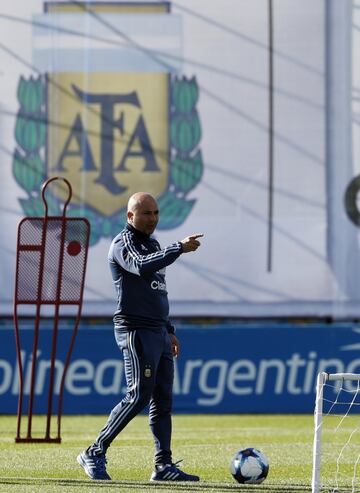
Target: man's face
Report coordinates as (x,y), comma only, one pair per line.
(145,216)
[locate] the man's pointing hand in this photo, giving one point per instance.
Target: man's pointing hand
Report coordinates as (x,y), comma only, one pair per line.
(191,243)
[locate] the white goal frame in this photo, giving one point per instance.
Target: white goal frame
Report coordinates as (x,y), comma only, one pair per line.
(322,378)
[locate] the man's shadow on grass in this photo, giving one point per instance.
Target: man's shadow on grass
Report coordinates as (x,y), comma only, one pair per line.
(148,486)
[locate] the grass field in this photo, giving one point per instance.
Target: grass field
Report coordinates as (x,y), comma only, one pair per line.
(206,444)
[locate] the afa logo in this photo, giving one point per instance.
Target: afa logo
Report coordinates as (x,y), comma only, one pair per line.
(110,132)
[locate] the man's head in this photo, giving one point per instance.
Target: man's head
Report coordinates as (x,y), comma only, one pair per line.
(143,212)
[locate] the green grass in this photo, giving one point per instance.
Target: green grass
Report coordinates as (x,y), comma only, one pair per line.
(206,444)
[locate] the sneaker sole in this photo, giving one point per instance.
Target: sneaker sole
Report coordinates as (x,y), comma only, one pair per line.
(174,480)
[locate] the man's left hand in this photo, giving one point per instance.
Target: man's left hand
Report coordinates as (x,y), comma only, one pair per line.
(175,345)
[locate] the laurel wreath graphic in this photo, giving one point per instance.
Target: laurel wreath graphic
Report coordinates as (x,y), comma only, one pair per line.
(186,165)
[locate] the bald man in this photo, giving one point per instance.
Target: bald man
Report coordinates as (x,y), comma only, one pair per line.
(145,336)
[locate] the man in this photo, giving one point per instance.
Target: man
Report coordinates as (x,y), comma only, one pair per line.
(145,336)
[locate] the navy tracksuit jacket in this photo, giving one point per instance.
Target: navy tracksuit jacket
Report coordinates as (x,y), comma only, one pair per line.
(142,328)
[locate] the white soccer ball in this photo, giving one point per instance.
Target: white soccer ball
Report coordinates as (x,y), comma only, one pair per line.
(249,466)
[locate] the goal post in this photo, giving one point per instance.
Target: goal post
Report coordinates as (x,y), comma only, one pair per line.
(336,397)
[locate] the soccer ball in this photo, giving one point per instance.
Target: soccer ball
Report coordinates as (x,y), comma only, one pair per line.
(249,466)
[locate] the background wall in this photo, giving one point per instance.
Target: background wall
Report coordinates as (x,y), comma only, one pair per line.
(210,136)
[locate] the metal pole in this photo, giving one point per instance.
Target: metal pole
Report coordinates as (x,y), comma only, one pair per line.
(271,135)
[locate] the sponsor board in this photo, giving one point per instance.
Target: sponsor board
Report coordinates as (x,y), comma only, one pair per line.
(249,369)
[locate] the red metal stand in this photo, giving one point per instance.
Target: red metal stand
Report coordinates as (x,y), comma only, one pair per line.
(50,271)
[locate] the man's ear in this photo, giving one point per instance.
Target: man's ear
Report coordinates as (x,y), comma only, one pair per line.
(130,215)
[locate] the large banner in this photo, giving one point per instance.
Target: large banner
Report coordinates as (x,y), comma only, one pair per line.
(254,369)
(241,120)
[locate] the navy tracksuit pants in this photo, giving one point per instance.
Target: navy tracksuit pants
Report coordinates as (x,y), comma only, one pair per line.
(149,372)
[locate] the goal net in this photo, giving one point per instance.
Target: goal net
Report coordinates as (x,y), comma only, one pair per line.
(336,450)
